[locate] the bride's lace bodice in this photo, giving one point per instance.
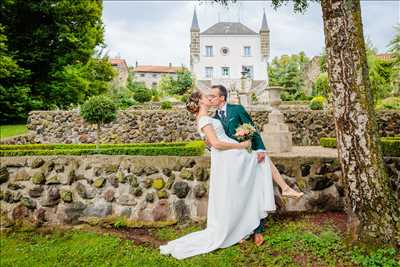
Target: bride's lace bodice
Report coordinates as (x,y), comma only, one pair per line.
(218,128)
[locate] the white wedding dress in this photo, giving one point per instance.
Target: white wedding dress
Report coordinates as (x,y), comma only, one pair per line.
(240,194)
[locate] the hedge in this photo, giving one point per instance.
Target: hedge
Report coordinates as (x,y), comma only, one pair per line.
(194,148)
(390,145)
(86,146)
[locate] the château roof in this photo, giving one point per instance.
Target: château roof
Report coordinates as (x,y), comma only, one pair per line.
(229,28)
(157,69)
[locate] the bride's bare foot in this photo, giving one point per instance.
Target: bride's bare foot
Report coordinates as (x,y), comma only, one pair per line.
(258,239)
(289,192)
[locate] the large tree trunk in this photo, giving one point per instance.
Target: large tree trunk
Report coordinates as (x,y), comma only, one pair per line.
(372,208)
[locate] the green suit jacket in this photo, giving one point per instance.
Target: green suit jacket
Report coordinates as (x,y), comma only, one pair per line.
(235,116)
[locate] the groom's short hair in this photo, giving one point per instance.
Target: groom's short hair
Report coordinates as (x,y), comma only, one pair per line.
(222,90)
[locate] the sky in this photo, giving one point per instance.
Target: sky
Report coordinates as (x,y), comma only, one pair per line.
(158,32)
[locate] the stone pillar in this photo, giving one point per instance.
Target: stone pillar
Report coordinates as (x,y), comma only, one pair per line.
(244,90)
(276,135)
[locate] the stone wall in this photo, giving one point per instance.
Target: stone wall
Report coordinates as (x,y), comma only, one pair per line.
(132,126)
(68,189)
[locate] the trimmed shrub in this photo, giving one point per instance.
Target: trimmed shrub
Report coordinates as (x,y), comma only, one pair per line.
(99,110)
(317,103)
(155,98)
(194,148)
(390,145)
(389,103)
(142,95)
(166,105)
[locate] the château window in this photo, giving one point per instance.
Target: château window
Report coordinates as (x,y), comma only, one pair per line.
(247,51)
(154,75)
(142,75)
(225,71)
(209,72)
(248,70)
(209,51)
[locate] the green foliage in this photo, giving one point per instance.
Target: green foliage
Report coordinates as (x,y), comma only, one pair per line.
(99,109)
(194,148)
(321,85)
(288,242)
(166,105)
(380,75)
(176,86)
(388,103)
(142,95)
(317,103)
(184,98)
(287,71)
(381,257)
(155,98)
(75,83)
(390,145)
(12,130)
(394,47)
(122,97)
(15,100)
(53,42)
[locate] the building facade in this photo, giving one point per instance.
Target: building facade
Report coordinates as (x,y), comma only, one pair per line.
(151,75)
(121,79)
(227,51)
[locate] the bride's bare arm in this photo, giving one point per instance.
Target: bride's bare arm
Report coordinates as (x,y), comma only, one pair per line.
(213,140)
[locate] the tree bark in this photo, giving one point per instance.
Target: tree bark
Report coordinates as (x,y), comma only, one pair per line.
(372,208)
(98,132)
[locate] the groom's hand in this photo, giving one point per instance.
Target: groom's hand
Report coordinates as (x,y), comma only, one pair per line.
(261,156)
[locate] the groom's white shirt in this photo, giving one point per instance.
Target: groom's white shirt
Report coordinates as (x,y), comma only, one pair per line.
(224,109)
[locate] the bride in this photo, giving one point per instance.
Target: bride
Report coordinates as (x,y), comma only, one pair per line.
(240,190)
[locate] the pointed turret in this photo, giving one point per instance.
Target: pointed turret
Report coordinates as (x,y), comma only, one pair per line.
(264,38)
(195,23)
(194,41)
(264,24)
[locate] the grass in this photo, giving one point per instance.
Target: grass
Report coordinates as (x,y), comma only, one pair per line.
(298,242)
(12,130)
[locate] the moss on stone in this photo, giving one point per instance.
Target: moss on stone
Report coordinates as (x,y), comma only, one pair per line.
(158,183)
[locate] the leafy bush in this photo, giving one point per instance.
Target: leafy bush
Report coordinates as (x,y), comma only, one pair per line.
(155,98)
(194,148)
(317,103)
(389,103)
(184,98)
(390,145)
(321,85)
(99,110)
(142,95)
(166,105)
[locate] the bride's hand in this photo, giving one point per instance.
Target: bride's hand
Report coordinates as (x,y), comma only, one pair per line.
(245,144)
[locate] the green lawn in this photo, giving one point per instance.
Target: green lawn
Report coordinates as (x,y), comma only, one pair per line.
(12,130)
(297,242)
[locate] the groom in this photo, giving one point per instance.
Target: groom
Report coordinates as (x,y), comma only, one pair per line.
(231,117)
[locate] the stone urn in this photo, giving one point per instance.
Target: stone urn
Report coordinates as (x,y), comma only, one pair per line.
(276,135)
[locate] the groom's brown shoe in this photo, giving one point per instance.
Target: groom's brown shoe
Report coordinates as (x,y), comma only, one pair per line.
(258,239)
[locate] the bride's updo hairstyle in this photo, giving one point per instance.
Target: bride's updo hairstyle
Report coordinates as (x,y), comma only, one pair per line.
(192,104)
